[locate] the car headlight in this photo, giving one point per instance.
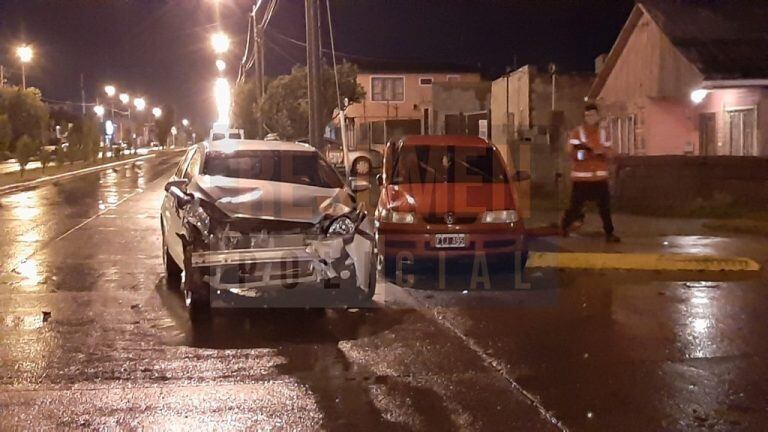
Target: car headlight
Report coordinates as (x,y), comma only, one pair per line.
(341,226)
(392,216)
(196,215)
(500,216)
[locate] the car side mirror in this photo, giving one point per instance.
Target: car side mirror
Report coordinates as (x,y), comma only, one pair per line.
(180,197)
(176,189)
(180,184)
(521,176)
(380,179)
(359,185)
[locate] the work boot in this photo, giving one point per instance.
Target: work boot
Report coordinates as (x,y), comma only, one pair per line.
(612,238)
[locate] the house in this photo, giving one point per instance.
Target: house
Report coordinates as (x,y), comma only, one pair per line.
(688,78)
(405,99)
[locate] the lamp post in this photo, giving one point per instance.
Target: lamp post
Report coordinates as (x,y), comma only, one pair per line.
(24,52)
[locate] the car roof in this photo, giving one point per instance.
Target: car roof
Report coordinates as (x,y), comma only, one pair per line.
(445,140)
(230,144)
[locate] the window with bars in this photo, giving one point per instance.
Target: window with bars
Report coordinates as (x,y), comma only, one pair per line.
(388,89)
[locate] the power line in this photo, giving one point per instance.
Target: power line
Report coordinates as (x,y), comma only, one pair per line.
(342,54)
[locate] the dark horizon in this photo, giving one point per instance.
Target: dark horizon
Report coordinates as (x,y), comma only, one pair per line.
(159,49)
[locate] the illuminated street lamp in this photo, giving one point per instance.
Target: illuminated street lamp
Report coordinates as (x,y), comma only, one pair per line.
(185,122)
(139,104)
(99,110)
(24,52)
(157,112)
(220,42)
(220,65)
(223,97)
(124,98)
(110,90)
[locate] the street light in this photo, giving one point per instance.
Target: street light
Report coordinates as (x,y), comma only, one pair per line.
(24,52)
(220,42)
(139,104)
(223,97)
(124,98)
(185,122)
(99,110)
(157,112)
(220,65)
(110,90)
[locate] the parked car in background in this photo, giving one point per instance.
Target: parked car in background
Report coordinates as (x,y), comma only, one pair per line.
(449,195)
(264,222)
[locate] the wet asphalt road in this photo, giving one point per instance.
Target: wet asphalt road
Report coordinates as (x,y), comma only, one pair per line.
(576,350)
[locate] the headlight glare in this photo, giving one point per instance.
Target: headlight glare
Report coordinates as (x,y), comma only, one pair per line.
(341,226)
(398,217)
(500,216)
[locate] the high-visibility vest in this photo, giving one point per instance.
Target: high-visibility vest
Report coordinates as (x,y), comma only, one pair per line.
(587,166)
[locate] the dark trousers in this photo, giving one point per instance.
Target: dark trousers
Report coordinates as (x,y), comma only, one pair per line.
(584,191)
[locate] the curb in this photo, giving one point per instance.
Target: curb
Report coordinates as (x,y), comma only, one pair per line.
(637,261)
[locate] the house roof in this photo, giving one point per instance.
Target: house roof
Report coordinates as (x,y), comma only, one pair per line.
(725,40)
(369,66)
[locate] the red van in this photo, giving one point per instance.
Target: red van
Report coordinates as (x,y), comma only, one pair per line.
(449,195)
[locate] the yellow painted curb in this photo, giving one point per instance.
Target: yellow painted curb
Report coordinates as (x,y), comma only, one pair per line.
(637,261)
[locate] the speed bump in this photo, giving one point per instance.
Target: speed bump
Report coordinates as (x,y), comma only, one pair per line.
(639,261)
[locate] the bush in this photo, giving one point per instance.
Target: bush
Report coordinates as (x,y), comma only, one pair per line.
(45,158)
(26,148)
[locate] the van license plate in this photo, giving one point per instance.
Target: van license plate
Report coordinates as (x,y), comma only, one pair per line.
(450,240)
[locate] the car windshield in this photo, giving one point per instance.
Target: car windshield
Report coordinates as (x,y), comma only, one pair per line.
(447,164)
(297,167)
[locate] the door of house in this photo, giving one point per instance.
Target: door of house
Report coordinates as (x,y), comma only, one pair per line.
(707,134)
(742,132)
(455,124)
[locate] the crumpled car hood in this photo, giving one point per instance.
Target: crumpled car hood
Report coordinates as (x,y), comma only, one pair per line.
(270,200)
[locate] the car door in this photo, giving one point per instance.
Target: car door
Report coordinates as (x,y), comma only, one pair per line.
(171,215)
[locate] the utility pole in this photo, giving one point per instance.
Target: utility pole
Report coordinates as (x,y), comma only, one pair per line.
(2,76)
(314,73)
(258,54)
(82,93)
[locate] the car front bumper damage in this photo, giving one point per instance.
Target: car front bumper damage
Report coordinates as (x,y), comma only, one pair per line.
(326,266)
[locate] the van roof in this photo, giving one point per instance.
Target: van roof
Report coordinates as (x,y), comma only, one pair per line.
(445,140)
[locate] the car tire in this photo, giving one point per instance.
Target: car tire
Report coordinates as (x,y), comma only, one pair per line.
(372,278)
(362,166)
(197,292)
(172,270)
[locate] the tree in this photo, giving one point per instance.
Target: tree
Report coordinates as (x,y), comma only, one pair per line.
(245,112)
(164,124)
(44,157)
(6,135)
(26,112)
(285,108)
(26,148)
(84,139)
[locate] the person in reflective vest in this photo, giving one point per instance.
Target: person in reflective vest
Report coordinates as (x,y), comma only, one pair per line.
(590,148)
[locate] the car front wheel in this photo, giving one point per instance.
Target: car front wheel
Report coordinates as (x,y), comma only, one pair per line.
(197,292)
(172,270)
(362,166)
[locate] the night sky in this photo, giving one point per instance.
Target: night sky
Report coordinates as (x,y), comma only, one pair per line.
(159,48)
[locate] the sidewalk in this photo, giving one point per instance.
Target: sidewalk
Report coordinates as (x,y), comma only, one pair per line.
(650,243)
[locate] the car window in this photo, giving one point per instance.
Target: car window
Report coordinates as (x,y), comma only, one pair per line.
(183,164)
(194,165)
(448,164)
(297,167)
